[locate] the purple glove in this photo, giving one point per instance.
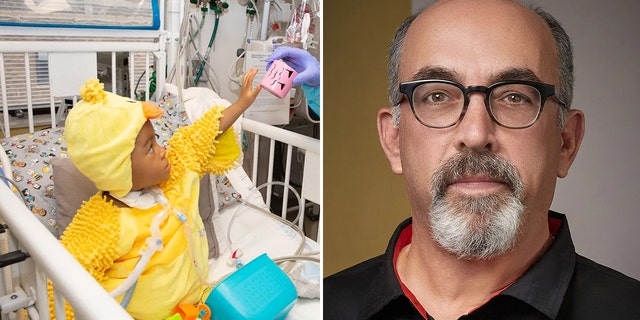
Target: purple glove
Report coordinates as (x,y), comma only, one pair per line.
(306,65)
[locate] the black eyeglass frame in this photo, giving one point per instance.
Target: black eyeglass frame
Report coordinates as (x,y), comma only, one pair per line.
(545,90)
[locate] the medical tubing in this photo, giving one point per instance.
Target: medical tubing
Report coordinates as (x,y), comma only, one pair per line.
(296,258)
(288,223)
(127,296)
(248,33)
(295,193)
(234,64)
(2,177)
(201,58)
(154,243)
(248,36)
(198,24)
(255,6)
(188,234)
(206,56)
(183,33)
(300,248)
(270,214)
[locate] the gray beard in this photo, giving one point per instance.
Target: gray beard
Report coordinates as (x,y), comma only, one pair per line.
(476,227)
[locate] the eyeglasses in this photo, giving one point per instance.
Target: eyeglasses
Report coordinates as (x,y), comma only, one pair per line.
(511,104)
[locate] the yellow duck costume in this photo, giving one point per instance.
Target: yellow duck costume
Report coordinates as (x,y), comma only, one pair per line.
(107,240)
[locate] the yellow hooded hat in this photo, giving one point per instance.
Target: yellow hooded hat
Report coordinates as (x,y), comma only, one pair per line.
(101,132)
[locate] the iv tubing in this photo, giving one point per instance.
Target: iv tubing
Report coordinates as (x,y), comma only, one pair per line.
(188,234)
(154,243)
(288,223)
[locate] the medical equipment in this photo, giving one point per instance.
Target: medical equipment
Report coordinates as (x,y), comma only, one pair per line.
(298,31)
(258,290)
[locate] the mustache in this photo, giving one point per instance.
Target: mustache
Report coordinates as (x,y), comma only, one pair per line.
(469,163)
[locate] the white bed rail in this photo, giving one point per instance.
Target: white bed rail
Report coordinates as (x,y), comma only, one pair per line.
(70,280)
(311,184)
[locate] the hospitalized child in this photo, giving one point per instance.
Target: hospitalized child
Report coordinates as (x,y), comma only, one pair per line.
(141,236)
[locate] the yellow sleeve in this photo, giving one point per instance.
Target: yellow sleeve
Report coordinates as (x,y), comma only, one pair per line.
(92,238)
(196,148)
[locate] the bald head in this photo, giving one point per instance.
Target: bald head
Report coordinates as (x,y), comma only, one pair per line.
(457,33)
(478,40)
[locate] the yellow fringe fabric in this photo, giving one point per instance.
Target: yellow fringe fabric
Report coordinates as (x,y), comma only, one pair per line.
(93,92)
(91,238)
(195,147)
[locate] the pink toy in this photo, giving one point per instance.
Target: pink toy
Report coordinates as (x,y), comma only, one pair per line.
(278,79)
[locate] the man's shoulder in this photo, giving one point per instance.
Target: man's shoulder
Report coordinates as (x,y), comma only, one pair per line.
(353,278)
(599,290)
(598,275)
(345,294)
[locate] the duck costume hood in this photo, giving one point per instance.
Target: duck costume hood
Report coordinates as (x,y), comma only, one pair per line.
(101,132)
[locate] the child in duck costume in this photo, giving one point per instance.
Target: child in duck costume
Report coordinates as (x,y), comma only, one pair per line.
(146,194)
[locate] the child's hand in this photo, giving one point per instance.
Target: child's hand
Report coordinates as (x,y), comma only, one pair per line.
(246,98)
(249,93)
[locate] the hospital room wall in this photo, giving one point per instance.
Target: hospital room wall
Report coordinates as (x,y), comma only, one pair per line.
(364,201)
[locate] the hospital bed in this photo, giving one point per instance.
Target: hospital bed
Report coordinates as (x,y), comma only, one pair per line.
(32,122)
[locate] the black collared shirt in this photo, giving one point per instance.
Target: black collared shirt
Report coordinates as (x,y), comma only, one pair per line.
(561,285)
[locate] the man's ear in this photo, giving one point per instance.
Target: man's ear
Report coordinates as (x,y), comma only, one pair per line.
(389,139)
(572,135)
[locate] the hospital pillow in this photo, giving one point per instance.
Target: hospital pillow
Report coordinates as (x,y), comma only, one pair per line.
(72,188)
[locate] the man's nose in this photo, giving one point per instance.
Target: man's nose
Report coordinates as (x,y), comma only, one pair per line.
(476,130)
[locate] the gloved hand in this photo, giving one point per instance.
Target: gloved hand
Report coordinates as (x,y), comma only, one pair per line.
(197,100)
(306,65)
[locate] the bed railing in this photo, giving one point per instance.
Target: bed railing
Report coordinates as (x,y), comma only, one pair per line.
(89,299)
(311,181)
(33,58)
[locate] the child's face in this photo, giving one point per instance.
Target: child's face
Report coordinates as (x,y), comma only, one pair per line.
(148,163)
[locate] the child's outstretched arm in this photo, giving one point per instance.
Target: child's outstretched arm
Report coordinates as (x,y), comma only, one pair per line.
(191,147)
(247,97)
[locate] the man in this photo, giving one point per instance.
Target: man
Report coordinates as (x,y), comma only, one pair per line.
(481,129)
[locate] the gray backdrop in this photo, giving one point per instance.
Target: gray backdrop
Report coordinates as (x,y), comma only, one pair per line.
(599,195)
